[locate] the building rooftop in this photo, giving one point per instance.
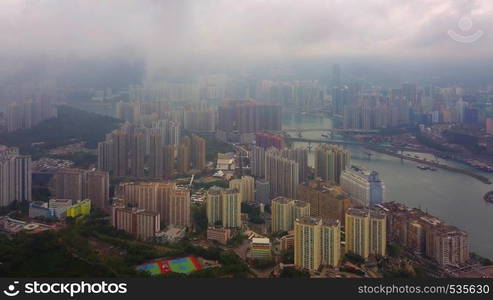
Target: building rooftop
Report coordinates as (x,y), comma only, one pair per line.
(309,220)
(261,240)
(363,212)
(299,203)
(281,200)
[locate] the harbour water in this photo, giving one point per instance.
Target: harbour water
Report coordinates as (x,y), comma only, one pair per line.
(452,197)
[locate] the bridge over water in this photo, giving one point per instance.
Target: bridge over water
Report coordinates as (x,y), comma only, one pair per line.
(335,130)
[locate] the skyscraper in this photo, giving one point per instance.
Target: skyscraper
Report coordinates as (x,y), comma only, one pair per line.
(15,176)
(231,209)
(23,178)
(262,192)
(137,155)
(184,153)
(316,243)
(246,187)
(257,162)
(169,161)
(327,200)
(330,161)
(285,211)
(179,207)
(198,153)
(113,154)
(68,184)
(363,185)
(141,223)
(282,174)
(170,132)
(365,232)
(96,188)
(331,242)
(156,159)
(224,206)
(78,184)
(120,153)
(214,205)
(165,198)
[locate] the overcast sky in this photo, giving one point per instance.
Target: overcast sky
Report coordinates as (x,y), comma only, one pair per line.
(171,33)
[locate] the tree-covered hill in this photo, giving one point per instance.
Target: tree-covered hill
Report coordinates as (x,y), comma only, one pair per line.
(70,125)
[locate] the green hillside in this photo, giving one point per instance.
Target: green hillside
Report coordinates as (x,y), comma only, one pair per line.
(71,125)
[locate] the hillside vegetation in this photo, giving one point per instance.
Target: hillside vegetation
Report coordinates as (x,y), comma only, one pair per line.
(71,125)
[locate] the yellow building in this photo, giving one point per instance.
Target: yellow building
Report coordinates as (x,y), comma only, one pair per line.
(378,233)
(316,243)
(214,205)
(365,232)
(331,243)
(246,186)
(82,207)
(285,211)
(307,243)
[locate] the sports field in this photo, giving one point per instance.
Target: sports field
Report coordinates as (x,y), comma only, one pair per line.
(183,265)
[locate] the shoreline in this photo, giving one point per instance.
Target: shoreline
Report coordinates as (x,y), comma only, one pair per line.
(479,177)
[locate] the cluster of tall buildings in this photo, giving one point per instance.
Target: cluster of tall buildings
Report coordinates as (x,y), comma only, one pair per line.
(200,119)
(304,95)
(426,235)
(15,176)
(317,241)
(267,140)
(223,207)
(285,211)
(284,169)
(377,108)
(132,150)
(169,201)
(331,161)
(248,116)
(78,184)
(28,114)
(167,91)
(367,117)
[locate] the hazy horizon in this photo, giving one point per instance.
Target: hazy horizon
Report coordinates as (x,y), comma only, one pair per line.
(148,40)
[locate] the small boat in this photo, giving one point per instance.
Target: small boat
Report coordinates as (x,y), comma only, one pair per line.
(488,197)
(424,168)
(325,135)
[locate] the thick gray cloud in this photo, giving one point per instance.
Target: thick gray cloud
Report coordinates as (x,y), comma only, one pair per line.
(170,34)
